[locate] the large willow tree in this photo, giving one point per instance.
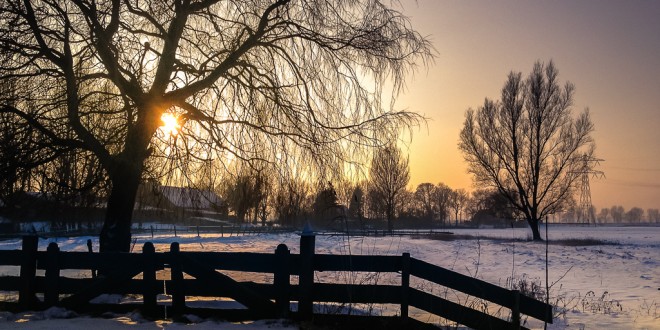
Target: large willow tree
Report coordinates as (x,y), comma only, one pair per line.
(528,145)
(247,79)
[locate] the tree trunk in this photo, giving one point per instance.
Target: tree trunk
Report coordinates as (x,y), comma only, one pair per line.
(534,225)
(389,215)
(116,233)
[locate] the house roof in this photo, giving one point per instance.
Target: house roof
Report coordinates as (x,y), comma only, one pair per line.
(190,197)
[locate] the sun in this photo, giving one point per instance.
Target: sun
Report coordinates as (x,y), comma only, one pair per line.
(170,124)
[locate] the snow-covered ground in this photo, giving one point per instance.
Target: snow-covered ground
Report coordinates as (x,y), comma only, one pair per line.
(615,285)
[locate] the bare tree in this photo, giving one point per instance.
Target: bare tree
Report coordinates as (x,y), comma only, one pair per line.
(457,201)
(424,196)
(442,199)
(97,76)
(528,146)
(292,202)
(389,174)
(617,213)
(653,215)
(603,215)
(635,215)
(246,192)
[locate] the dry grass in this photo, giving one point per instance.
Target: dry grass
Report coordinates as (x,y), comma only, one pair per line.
(447,237)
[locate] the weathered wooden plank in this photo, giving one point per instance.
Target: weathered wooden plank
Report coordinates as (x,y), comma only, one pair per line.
(536,309)
(10,257)
(110,282)
(237,261)
(479,288)
(455,312)
(86,260)
(10,283)
(377,294)
(326,262)
(69,285)
(236,290)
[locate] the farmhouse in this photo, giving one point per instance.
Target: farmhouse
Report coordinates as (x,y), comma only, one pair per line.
(177,203)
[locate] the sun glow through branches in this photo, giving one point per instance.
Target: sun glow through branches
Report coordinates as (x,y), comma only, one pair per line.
(170,125)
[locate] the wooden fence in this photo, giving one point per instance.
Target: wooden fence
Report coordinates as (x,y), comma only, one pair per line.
(196,274)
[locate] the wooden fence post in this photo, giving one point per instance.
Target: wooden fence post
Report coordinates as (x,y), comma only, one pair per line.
(281,280)
(178,296)
(515,310)
(306,279)
(405,284)
(52,290)
(149,278)
(26,295)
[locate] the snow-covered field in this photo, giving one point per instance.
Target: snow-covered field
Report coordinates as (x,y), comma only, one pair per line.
(614,284)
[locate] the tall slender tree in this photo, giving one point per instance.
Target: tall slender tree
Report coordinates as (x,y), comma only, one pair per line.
(442,197)
(389,175)
(458,199)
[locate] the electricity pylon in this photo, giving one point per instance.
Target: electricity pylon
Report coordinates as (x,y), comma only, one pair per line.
(586,212)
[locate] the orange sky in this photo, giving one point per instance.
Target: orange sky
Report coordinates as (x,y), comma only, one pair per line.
(610,50)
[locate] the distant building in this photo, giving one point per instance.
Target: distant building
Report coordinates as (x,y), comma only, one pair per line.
(178,202)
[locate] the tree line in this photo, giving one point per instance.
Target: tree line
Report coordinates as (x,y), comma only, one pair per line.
(616,214)
(382,198)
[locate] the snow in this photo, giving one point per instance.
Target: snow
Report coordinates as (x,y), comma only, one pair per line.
(612,284)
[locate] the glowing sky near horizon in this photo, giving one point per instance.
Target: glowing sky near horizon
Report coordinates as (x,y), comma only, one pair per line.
(610,50)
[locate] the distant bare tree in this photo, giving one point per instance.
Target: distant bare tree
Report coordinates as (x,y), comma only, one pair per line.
(634,215)
(442,198)
(425,198)
(246,192)
(617,213)
(408,206)
(457,201)
(389,174)
(653,215)
(97,76)
(528,146)
(292,203)
(604,214)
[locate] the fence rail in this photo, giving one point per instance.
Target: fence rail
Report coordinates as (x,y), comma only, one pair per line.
(121,275)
